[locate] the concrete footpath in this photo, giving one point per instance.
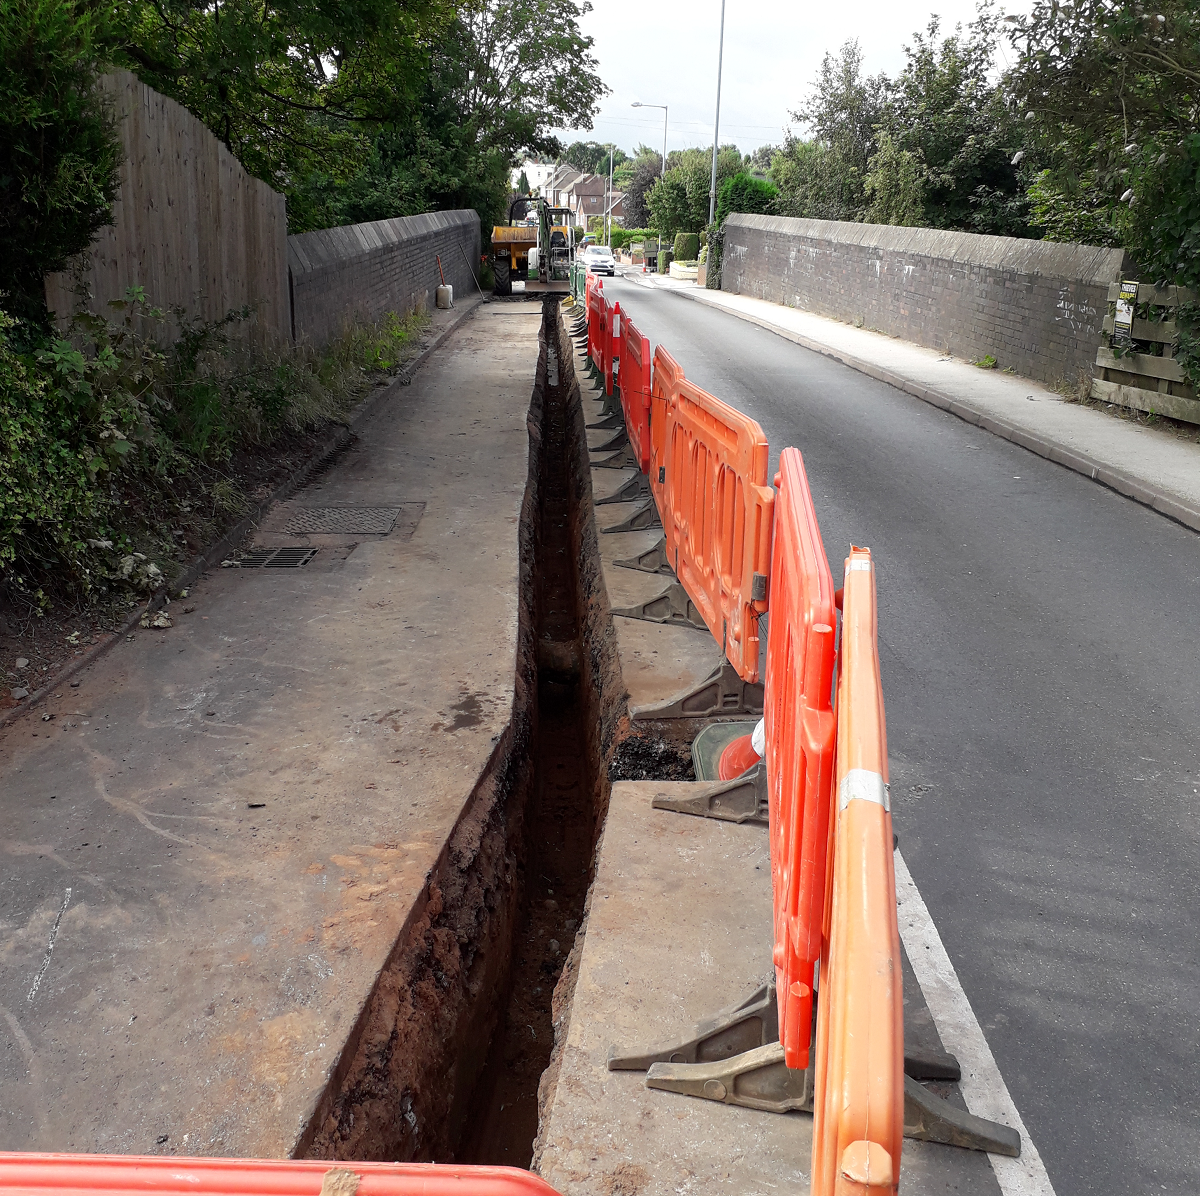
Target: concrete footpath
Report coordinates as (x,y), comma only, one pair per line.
(213,844)
(1142,462)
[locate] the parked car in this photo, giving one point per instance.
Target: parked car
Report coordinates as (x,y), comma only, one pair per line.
(599,259)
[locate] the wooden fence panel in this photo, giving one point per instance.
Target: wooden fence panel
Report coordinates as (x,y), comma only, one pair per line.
(189,225)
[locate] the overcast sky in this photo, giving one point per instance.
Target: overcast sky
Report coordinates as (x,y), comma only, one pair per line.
(772,51)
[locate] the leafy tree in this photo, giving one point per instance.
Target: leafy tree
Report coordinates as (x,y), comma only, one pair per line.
(814,181)
(592,158)
(759,162)
(523,184)
(1108,92)
(951,136)
(825,177)
(287,86)
(895,185)
(386,107)
(647,168)
(59,155)
(679,202)
(1070,209)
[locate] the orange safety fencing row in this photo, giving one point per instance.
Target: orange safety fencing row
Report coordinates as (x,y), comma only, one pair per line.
(123,1175)
(742,550)
(634,373)
(708,474)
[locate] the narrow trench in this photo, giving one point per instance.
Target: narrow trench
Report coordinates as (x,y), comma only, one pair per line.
(560,823)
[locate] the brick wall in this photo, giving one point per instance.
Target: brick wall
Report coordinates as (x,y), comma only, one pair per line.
(1035,306)
(364,270)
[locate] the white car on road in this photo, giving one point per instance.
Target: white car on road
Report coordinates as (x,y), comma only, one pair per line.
(598,259)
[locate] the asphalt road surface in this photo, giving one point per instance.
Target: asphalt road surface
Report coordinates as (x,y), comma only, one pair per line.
(1039,642)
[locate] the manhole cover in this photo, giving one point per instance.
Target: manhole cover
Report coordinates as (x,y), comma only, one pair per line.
(272,558)
(345,521)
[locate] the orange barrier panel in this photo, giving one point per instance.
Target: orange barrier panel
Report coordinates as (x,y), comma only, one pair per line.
(595,300)
(635,390)
(800,738)
(716,511)
(664,379)
(77,1174)
(612,346)
(859,1098)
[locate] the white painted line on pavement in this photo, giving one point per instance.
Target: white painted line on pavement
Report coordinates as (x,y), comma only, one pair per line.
(982,1085)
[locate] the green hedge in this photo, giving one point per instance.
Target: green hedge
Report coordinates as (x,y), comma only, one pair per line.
(623,236)
(687,247)
(745,193)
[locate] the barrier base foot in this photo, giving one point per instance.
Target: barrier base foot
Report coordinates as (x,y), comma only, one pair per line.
(721,692)
(928,1118)
(755,1079)
(608,423)
(637,487)
(672,606)
(638,521)
(624,459)
(749,1023)
(619,441)
(653,560)
(926,1063)
(741,800)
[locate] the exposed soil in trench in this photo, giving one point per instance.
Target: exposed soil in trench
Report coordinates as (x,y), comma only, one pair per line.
(455,1053)
(560,823)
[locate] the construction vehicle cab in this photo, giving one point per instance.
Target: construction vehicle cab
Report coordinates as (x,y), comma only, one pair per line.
(537,252)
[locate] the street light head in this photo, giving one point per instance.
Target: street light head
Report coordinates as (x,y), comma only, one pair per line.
(636,104)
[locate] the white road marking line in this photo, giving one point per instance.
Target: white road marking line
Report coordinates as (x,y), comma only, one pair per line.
(982,1085)
(37,980)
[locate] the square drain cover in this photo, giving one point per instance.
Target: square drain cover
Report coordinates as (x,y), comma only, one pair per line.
(272,558)
(343,521)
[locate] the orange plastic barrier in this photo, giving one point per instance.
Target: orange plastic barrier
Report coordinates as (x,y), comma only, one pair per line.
(634,377)
(859,1097)
(78,1174)
(708,474)
(611,349)
(595,301)
(800,736)
(663,381)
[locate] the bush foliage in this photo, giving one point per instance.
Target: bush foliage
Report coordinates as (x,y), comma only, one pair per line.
(747,194)
(104,436)
(687,247)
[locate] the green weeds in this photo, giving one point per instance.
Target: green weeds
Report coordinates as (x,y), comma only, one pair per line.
(122,450)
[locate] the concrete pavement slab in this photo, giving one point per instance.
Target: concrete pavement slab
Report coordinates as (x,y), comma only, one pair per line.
(679,926)
(216,841)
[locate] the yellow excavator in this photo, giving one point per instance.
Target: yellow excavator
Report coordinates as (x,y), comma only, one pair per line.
(537,251)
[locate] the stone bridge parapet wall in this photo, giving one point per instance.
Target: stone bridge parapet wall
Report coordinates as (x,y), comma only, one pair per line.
(1036,306)
(363,271)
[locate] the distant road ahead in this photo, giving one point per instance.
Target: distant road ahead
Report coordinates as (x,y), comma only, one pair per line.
(1040,645)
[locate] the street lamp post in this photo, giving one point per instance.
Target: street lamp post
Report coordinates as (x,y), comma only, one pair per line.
(712,190)
(639,104)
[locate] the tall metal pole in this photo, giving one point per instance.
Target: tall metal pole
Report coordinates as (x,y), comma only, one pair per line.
(666,114)
(712,190)
(663,176)
(609,206)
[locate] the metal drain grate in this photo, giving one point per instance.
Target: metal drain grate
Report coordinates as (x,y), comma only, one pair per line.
(272,558)
(345,521)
